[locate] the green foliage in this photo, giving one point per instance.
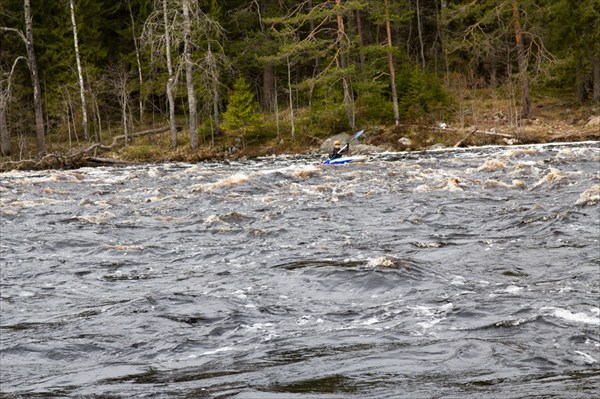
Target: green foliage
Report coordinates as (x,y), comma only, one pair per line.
(141,152)
(241,115)
(262,39)
(327,119)
(374,108)
(420,93)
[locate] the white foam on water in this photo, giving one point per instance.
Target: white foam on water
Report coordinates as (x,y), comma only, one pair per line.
(215,351)
(370,322)
(513,289)
(458,280)
(567,315)
(587,358)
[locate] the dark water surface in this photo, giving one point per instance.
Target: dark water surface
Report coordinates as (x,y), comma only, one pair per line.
(471,273)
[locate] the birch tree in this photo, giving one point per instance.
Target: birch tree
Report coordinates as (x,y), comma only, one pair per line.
(5,92)
(27,38)
(179,24)
(189,77)
(84,115)
(139,63)
(4,135)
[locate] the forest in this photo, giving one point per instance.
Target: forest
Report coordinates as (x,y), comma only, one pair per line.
(207,76)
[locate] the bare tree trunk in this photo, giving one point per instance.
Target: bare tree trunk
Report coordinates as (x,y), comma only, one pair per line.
(363,61)
(420,30)
(443,39)
(580,79)
(4,134)
(291,98)
(522,60)
(171,79)
(493,70)
(216,100)
(213,72)
(391,65)
(268,86)
(596,73)
(348,106)
(4,102)
(139,64)
(311,25)
(70,103)
(187,56)
(86,134)
(119,81)
(276,105)
(35,81)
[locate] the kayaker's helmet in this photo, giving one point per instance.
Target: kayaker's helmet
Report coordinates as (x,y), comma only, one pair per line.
(337,143)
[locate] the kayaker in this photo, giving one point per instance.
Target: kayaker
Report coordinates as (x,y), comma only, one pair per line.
(338,151)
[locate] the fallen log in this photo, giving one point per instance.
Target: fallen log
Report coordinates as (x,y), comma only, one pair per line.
(454,130)
(460,142)
(79,157)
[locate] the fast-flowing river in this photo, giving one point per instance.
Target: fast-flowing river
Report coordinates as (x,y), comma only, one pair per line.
(462,273)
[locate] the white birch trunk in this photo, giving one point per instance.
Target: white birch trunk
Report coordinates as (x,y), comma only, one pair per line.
(187,57)
(139,64)
(171,79)
(79,73)
(4,136)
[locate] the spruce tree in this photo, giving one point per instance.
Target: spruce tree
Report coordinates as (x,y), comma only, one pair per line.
(241,115)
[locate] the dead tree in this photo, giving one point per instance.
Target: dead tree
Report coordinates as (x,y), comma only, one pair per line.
(189,77)
(4,101)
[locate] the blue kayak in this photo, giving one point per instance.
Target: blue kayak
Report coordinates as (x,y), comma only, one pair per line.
(344,160)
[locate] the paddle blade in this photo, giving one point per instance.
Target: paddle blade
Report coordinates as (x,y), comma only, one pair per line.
(358,135)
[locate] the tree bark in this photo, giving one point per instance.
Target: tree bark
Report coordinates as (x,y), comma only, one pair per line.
(171,78)
(139,64)
(391,65)
(187,56)
(362,58)
(268,86)
(4,102)
(522,60)
(580,80)
(4,135)
(35,81)
(420,30)
(596,72)
(291,98)
(86,134)
(348,107)
(213,72)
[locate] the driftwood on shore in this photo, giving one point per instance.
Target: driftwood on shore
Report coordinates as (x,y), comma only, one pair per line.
(81,157)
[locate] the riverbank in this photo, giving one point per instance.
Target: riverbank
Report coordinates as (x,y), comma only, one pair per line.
(481,122)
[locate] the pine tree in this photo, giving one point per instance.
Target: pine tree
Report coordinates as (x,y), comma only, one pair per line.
(241,115)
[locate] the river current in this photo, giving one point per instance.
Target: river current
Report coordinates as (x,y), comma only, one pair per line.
(469,273)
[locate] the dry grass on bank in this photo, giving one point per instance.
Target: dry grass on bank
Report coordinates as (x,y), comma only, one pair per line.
(551,120)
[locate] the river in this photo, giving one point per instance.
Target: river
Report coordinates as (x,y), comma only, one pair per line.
(455,273)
